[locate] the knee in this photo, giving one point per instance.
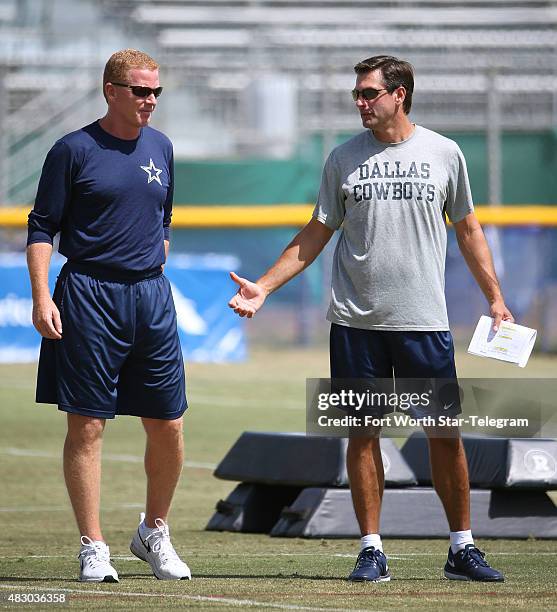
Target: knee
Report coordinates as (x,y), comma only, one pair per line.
(84,431)
(358,445)
(450,444)
(163,429)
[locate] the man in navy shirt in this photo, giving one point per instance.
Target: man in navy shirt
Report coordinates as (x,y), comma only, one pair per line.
(110,344)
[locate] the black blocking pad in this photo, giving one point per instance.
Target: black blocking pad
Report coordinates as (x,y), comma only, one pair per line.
(494,462)
(295,459)
(418,513)
(252,508)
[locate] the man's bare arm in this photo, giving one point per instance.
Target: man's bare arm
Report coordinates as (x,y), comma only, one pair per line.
(297,256)
(475,250)
(46,316)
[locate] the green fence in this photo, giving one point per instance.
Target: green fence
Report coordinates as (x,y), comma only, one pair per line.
(529,163)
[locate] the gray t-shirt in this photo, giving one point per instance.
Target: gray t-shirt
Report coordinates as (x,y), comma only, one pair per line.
(389,263)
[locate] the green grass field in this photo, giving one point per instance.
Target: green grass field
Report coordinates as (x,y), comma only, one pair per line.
(39,543)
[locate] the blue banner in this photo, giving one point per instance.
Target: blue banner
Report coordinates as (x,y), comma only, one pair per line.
(209,331)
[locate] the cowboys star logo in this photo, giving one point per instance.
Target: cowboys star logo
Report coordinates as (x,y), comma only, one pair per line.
(153,172)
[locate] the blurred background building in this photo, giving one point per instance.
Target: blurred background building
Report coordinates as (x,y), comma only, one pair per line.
(257,94)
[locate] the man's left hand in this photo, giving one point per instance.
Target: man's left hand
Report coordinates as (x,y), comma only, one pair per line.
(500,312)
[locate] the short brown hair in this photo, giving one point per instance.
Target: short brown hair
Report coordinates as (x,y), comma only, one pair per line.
(395,73)
(121,62)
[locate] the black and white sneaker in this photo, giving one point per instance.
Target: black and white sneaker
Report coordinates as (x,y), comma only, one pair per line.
(157,550)
(94,559)
(470,564)
(371,566)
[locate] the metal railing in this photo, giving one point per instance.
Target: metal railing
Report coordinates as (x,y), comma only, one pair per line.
(31,131)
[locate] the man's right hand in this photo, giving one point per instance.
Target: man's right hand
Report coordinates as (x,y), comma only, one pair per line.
(46,318)
(249,299)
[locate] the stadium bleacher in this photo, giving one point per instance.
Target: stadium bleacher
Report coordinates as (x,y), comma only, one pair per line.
(459,54)
(216,53)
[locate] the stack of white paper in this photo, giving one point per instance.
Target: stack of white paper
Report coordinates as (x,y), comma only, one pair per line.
(511,342)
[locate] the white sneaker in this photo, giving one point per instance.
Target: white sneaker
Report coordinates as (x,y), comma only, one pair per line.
(157,550)
(94,558)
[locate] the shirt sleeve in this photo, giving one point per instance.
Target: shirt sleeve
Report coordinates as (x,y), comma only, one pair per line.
(459,198)
(53,195)
(167,218)
(330,208)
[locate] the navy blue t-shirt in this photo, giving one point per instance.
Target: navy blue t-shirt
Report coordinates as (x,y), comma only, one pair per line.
(111,199)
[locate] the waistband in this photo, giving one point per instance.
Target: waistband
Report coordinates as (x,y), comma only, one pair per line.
(111,274)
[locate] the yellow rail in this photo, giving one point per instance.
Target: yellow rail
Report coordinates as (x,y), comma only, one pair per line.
(296,215)
(275,215)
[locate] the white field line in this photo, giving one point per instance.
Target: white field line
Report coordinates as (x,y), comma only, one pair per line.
(202,400)
(201,598)
(397,556)
(27,452)
(208,400)
(12,384)
(136,505)
(443,554)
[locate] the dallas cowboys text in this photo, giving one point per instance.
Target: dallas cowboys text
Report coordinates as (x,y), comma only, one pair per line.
(395,190)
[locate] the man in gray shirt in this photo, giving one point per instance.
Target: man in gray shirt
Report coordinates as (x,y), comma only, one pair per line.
(390,188)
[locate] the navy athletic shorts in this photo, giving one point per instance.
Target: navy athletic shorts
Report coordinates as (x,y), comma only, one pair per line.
(119,352)
(416,360)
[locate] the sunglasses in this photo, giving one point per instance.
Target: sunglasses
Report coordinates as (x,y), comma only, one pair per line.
(369,93)
(140,91)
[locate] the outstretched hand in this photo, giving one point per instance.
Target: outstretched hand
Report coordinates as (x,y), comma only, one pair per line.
(249,299)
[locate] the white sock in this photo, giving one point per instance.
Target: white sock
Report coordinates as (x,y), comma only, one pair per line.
(371,539)
(459,539)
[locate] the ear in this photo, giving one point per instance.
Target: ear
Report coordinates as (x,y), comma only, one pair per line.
(109,91)
(400,94)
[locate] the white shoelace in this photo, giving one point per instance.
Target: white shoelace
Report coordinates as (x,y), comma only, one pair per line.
(161,544)
(94,553)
